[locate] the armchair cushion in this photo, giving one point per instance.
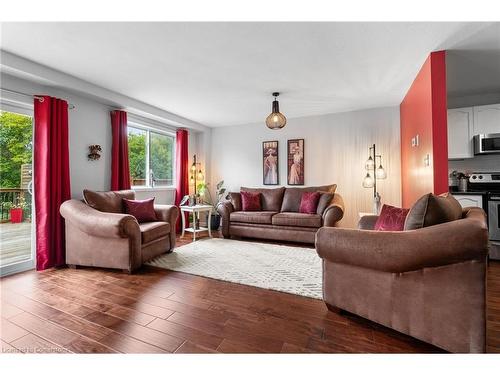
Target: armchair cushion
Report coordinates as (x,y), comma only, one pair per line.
(433,209)
(391,218)
(107,201)
(153,230)
(142,210)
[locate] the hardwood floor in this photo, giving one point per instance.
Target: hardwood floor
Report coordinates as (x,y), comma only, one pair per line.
(158,311)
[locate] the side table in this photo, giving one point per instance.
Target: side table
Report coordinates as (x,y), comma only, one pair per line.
(195,211)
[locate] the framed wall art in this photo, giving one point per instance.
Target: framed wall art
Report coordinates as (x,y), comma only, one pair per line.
(295,161)
(270,163)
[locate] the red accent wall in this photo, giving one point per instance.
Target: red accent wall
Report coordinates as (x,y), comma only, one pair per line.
(423,112)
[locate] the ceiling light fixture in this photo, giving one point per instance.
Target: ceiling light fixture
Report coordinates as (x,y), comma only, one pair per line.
(276,120)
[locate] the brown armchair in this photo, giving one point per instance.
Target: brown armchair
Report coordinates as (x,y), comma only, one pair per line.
(428,283)
(99,234)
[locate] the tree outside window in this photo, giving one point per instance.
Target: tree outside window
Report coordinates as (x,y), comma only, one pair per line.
(151,157)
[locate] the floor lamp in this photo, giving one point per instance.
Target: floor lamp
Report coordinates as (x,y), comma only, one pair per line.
(375,172)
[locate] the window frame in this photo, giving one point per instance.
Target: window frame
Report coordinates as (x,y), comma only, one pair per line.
(149,130)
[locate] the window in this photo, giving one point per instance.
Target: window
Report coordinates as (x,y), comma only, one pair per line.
(151,157)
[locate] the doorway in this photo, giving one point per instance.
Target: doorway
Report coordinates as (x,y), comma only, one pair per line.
(16,192)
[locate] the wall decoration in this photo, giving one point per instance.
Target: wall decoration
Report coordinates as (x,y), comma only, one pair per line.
(295,161)
(95,152)
(270,163)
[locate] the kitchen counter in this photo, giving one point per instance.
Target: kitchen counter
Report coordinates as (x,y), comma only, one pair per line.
(468,192)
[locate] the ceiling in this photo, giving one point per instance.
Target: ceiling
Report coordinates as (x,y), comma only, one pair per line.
(473,67)
(221,74)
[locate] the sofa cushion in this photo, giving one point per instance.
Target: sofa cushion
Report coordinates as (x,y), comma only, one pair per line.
(142,210)
(107,201)
(309,202)
(324,202)
(235,201)
(391,218)
(250,201)
(271,199)
(153,230)
(252,217)
(295,219)
(292,196)
(433,209)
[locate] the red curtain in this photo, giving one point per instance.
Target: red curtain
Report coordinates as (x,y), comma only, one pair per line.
(52,181)
(120,172)
(181,167)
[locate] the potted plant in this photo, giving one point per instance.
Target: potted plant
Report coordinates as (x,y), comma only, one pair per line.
(221,194)
(16,210)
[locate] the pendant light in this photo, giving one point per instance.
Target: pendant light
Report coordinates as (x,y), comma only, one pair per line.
(276,120)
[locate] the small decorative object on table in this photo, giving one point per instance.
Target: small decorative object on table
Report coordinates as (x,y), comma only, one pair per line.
(95,152)
(192,200)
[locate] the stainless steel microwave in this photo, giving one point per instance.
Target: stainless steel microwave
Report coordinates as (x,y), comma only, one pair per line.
(487,144)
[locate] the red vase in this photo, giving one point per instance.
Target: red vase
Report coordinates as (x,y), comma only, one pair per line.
(16,215)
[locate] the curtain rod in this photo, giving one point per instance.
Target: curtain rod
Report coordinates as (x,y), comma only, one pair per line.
(40,98)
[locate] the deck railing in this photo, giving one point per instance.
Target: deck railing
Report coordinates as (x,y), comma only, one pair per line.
(12,196)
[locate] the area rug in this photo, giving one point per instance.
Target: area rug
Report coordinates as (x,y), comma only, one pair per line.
(288,269)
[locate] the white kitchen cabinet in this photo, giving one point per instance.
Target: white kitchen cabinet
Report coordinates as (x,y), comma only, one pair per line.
(487,119)
(466,200)
(460,133)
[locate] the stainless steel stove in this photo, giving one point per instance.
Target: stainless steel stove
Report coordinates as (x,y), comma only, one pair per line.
(490,183)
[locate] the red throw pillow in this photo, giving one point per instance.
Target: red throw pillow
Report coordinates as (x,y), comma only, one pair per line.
(309,202)
(143,211)
(391,218)
(250,201)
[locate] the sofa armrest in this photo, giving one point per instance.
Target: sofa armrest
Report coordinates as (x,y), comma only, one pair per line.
(224,209)
(367,222)
(396,252)
(97,223)
(334,212)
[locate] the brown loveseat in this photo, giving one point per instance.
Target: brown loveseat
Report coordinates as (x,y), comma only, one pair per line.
(428,283)
(280,218)
(100,234)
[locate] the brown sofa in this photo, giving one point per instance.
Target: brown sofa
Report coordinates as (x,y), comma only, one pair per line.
(428,283)
(280,218)
(100,234)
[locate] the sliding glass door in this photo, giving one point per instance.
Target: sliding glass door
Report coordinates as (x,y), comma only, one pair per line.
(16,191)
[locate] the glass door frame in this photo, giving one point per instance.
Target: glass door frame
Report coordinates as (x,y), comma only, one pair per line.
(25,265)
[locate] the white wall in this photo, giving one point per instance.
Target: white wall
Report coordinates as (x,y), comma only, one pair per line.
(89,123)
(336,148)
